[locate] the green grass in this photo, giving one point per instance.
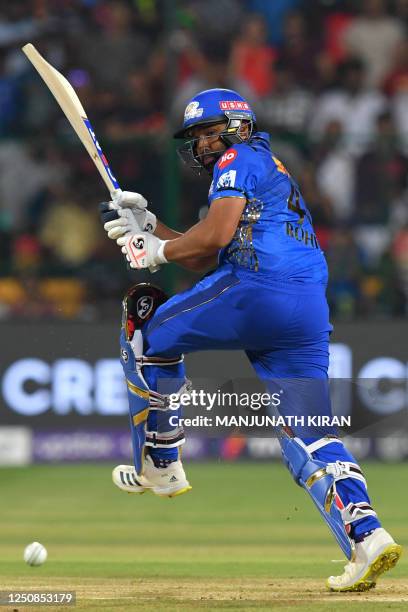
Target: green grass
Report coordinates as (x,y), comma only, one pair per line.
(245,538)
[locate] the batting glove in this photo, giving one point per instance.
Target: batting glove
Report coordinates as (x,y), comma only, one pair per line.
(127,214)
(135,202)
(143,250)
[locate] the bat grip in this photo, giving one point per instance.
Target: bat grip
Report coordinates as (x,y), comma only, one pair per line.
(115,194)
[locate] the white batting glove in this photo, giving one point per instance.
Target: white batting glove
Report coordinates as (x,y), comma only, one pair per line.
(143,250)
(137,204)
(126,223)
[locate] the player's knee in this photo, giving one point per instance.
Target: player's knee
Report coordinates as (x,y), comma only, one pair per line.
(139,305)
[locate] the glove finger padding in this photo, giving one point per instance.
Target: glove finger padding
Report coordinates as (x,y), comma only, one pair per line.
(131,199)
(124,224)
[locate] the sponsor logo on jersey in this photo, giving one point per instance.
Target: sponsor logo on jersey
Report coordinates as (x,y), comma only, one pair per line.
(227,179)
(227,158)
(144,306)
(234,105)
(192,111)
(124,355)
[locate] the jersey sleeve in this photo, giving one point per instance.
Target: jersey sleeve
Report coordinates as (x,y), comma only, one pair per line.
(235,174)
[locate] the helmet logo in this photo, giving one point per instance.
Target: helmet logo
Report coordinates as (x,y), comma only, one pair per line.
(144,306)
(227,158)
(192,111)
(234,105)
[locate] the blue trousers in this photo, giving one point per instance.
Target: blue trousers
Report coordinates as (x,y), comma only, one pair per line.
(283,328)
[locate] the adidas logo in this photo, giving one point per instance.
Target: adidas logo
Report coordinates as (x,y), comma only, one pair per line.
(173,479)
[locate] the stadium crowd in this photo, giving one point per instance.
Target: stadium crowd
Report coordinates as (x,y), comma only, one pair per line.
(327,78)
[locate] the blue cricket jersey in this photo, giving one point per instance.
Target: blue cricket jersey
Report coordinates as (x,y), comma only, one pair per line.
(275,236)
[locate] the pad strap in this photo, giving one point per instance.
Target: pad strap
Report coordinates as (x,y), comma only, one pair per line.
(158,361)
(345,469)
(355,511)
(169,439)
(318,444)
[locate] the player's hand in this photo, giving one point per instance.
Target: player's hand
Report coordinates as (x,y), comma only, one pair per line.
(143,250)
(124,223)
(135,202)
(128,213)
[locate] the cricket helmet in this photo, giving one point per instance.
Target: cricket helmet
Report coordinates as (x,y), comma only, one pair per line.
(208,108)
(213,106)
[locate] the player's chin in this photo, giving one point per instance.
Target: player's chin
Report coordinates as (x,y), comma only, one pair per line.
(209,162)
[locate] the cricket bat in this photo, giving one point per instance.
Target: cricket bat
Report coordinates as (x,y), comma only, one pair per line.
(71,106)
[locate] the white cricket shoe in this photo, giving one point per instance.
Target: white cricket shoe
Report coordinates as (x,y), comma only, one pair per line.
(166,482)
(375,555)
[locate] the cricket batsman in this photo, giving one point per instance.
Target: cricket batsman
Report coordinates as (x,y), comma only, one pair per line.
(265,295)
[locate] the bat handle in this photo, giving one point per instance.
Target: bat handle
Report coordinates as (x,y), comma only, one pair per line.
(115,194)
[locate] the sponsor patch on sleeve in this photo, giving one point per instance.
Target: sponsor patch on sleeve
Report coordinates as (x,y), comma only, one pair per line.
(227,179)
(227,158)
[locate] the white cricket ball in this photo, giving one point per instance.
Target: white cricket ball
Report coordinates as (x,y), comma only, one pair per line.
(35,554)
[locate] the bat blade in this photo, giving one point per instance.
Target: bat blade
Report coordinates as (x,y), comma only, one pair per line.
(71,106)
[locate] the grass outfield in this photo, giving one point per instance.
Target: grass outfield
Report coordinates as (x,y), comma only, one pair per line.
(245,538)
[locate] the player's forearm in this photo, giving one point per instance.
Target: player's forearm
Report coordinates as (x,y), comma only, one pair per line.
(201,241)
(199,264)
(165,233)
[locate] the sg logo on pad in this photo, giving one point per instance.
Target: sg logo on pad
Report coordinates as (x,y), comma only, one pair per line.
(144,306)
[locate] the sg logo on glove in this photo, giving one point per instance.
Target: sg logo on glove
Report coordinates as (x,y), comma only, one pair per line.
(136,252)
(143,250)
(139,243)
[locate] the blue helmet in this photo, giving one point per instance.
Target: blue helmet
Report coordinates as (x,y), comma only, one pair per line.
(215,105)
(210,107)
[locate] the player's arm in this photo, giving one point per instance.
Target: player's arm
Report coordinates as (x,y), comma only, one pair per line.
(165,233)
(196,264)
(208,236)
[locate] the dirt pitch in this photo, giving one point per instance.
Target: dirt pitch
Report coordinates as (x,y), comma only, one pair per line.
(237,594)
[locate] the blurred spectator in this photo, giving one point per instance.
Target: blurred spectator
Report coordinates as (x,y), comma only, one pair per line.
(10,100)
(17,23)
(225,17)
(335,171)
(318,203)
(354,106)
(209,59)
(69,231)
(336,24)
(288,107)
(345,267)
(135,112)
(274,13)
(399,251)
(110,53)
(300,50)
(381,175)
(381,290)
(399,105)
(24,173)
(373,36)
(252,58)
(381,178)
(401,9)
(396,80)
